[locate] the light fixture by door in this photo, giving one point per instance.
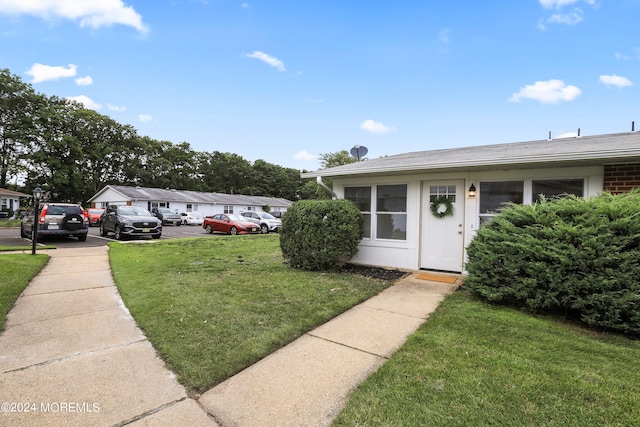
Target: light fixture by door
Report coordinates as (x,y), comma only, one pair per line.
(472,191)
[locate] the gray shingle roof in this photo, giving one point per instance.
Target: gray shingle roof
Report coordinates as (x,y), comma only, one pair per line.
(583,150)
(184,196)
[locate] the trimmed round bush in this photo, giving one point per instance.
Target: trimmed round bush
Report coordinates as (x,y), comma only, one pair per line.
(576,257)
(320,234)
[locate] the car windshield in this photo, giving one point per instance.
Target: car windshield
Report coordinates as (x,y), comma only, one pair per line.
(164,210)
(236,218)
(133,211)
(266,215)
(95,211)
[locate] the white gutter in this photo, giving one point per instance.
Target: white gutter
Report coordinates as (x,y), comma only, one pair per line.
(323,185)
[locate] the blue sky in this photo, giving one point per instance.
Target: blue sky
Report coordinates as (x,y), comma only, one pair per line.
(285,81)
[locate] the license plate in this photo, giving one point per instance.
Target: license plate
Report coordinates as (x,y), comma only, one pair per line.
(146,230)
(53,226)
(254,229)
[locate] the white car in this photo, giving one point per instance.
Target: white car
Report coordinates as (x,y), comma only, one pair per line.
(266,221)
(192,218)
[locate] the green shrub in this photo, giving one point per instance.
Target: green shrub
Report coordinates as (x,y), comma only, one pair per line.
(571,256)
(320,234)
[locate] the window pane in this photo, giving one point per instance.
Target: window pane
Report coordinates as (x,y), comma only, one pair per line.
(367,226)
(392,226)
(493,195)
(557,188)
(360,196)
(392,198)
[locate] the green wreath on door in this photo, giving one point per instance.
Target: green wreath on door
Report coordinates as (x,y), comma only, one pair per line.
(441,207)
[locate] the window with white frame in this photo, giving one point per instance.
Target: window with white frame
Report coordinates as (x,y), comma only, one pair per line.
(554,188)
(494,195)
(391,212)
(228,209)
(361,197)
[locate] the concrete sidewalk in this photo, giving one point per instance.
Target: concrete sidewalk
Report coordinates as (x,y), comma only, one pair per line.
(74,355)
(71,351)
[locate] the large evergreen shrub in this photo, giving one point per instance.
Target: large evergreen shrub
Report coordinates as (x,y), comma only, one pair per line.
(320,234)
(572,256)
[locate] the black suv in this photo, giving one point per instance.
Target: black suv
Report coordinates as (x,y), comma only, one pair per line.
(125,221)
(57,219)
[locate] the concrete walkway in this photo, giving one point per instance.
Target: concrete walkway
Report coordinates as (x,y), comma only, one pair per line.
(73,354)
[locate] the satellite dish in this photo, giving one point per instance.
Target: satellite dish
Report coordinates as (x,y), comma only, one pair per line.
(358,151)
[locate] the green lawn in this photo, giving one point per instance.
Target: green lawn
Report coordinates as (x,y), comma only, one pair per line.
(212,307)
(16,271)
(473,364)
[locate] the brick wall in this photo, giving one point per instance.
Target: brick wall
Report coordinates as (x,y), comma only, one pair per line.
(621,178)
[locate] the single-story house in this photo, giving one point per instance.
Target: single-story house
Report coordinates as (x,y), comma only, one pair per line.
(185,201)
(10,200)
(423,208)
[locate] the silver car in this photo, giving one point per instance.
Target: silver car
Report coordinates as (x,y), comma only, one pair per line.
(266,221)
(57,219)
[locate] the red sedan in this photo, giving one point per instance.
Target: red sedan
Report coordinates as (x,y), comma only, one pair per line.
(229,224)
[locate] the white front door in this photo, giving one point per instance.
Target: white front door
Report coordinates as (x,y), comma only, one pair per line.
(442,237)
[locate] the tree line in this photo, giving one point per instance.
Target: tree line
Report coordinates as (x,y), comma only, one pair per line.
(73,152)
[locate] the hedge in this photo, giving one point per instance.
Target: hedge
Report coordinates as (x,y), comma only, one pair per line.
(320,234)
(577,257)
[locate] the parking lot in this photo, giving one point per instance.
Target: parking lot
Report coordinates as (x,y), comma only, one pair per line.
(11,237)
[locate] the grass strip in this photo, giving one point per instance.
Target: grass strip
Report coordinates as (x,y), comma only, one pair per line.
(474,364)
(16,271)
(212,307)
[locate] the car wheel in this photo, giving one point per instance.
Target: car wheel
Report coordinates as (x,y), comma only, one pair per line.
(103,232)
(264,229)
(118,233)
(233,231)
(22,233)
(208,228)
(179,223)
(82,237)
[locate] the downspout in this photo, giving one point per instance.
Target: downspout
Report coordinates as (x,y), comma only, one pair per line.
(323,185)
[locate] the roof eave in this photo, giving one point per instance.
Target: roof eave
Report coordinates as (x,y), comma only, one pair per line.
(547,160)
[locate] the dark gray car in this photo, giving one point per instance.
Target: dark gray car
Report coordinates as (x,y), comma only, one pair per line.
(129,221)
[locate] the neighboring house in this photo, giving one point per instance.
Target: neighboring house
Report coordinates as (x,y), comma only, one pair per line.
(10,200)
(395,193)
(185,201)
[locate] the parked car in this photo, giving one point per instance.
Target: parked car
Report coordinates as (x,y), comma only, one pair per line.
(192,218)
(167,216)
(94,216)
(129,221)
(266,221)
(57,219)
(230,224)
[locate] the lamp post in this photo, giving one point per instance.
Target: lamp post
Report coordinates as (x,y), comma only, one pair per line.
(37,194)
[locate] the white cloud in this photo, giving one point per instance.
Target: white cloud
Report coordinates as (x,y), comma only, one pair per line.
(558,4)
(144,118)
(620,57)
(86,101)
(614,80)
(84,81)
(548,92)
(115,108)
(94,14)
(304,155)
(567,135)
(270,60)
(375,127)
(566,18)
(42,73)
